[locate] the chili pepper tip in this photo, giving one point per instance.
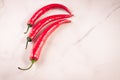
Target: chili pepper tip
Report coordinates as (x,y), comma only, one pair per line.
(72,15)
(29,25)
(32,62)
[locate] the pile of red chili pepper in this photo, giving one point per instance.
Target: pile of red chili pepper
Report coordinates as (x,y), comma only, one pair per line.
(55,20)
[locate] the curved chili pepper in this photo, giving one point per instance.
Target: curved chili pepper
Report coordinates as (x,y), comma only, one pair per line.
(36,51)
(42,10)
(42,23)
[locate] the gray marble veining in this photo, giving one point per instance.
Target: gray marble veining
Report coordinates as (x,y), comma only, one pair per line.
(86,49)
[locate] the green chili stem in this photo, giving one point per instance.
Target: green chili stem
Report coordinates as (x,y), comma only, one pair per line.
(32,62)
(27,28)
(26,44)
(28,40)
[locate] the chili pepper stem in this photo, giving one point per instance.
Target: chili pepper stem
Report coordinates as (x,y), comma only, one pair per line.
(29,25)
(26,44)
(28,40)
(32,62)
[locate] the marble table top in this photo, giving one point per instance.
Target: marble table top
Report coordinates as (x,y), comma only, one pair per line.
(88,48)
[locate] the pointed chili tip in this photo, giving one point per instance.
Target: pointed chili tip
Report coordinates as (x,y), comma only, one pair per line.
(29,25)
(32,62)
(72,15)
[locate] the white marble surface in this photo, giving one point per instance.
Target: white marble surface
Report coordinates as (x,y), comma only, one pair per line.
(86,49)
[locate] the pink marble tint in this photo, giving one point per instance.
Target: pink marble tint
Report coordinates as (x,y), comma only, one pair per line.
(86,49)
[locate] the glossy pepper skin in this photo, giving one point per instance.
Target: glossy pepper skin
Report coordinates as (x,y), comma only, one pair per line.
(42,23)
(43,37)
(37,48)
(44,9)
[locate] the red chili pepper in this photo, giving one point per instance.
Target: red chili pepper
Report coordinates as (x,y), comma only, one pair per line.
(36,51)
(42,10)
(42,23)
